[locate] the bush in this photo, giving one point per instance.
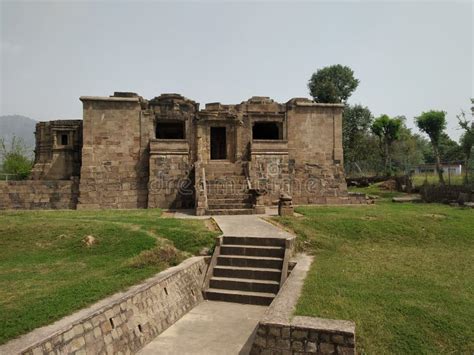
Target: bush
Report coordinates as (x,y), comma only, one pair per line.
(15,159)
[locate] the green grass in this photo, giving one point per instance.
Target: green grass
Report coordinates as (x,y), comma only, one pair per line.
(46,272)
(375,190)
(403,272)
(420,179)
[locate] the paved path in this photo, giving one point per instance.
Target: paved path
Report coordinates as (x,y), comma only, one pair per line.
(249,226)
(209,328)
(217,327)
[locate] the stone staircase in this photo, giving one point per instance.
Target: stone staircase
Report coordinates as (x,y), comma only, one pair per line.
(247,269)
(227,190)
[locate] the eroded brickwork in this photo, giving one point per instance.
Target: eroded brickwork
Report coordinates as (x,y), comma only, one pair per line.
(39,194)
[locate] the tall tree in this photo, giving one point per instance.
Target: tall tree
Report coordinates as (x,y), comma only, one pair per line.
(467,141)
(433,123)
(333,84)
(356,121)
(388,131)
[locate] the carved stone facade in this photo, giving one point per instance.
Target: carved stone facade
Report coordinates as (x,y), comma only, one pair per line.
(129,152)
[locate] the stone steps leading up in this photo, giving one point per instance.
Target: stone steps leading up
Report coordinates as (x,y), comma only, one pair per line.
(221,206)
(247,270)
(252,250)
(230,283)
(229,211)
(258,298)
(250,261)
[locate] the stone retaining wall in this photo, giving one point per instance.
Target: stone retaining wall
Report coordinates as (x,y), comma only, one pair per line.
(122,323)
(38,194)
(279,332)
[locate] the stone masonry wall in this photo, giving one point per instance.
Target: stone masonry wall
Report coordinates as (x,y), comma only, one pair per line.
(125,322)
(38,194)
(114,171)
(315,153)
(170,181)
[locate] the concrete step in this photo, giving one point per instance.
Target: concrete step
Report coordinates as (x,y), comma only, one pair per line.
(264,241)
(228,283)
(253,250)
(250,261)
(216,199)
(233,211)
(227,196)
(258,298)
(219,206)
(256,273)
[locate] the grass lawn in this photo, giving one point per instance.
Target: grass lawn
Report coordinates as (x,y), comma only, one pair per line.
(403,272)
(46,272)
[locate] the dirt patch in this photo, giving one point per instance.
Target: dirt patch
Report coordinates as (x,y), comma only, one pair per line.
(167,214)
(162,256)
(369,218)
(434,216)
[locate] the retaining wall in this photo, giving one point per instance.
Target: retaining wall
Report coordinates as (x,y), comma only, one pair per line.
(279,332)
(124,322)
(39,194)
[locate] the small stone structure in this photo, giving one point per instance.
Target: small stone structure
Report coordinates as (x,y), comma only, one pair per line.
(122,323)
(285,205)
(129,152)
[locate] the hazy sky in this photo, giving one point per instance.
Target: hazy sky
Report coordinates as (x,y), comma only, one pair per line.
(409,56)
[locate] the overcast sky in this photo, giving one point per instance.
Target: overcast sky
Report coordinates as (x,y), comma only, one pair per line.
(409,56)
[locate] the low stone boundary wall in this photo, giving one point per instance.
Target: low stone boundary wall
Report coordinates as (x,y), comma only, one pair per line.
(124,322)
(280,333)
(39,194)
(446,193)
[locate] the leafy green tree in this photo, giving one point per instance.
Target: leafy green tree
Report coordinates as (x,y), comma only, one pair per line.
(433,123)
(467,142)
(15,158)
(333,84)
(356,121)
(388,131)
(407,151)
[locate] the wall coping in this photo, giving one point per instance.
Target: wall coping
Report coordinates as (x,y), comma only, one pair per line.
(281,310)
(62,325)
(107,98)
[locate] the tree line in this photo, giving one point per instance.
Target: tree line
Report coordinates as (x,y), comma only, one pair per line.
(385,145)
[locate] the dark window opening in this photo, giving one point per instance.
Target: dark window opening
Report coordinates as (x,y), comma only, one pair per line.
(170,130)
(267,130)
(218,143)
(64,139)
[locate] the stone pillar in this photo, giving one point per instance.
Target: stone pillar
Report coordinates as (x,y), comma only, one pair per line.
(285,205)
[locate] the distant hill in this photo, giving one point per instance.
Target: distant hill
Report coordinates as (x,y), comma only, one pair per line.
(18,126)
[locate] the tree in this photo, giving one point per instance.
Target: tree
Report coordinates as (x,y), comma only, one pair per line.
(407,151)
(333,84)
(467,142)
(433,124)
(356,121)
(388,131)
(15,158)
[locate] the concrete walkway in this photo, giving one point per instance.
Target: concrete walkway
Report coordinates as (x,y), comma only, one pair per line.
(249,226)
(217,327)
(209,328)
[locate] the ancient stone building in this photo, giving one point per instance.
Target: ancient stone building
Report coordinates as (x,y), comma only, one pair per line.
(166,152)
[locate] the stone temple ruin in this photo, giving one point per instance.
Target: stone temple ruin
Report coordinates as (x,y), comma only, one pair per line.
(129,152)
